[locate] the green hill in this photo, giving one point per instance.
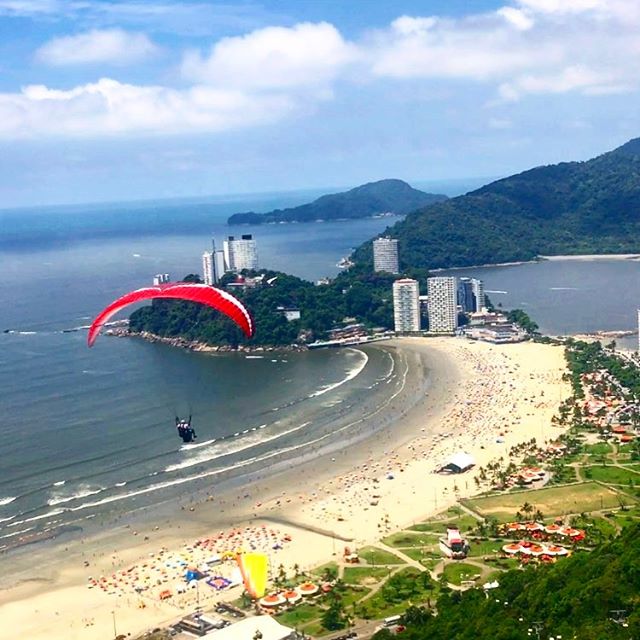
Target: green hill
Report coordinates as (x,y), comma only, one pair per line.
(576,598)
(384,196)
(568,208)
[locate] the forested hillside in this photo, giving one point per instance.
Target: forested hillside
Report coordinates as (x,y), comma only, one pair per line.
(384,196)
(568,208)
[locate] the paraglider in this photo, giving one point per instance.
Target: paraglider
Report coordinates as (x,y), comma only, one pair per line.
(189,291)
(185,430)
(254,568)
(193,292)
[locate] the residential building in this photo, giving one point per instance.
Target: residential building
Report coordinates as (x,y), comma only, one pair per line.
(406,305)
(477,287)
(240,254)
(208,269)
(385,255)
(160,278)
(470,295)
(442,304)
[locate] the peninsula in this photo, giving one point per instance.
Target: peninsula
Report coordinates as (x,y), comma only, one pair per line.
(371,199)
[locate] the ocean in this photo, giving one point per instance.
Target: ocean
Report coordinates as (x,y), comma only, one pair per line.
(88,434)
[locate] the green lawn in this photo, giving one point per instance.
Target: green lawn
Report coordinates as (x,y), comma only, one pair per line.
(378,556)
(457,572)
(319,571)
(437,525)
(364,575)
(405,539)
(599,448)
(299,615)
(422,552)
(552,501)
(611,474)
(484,547)
(406,587)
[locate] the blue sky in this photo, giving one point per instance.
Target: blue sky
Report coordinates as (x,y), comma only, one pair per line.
(105,100)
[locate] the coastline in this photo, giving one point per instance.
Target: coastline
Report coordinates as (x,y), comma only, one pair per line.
(476,391)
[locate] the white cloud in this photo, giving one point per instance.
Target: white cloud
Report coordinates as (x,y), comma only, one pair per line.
(108,107)
(274,58)
(113,46)
(530,47)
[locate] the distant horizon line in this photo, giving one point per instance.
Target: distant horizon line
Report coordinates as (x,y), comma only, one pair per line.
(195,199)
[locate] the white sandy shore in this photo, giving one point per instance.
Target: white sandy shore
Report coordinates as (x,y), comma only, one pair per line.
(477,392)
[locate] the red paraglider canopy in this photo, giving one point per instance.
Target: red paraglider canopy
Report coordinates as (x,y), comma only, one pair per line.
(202,293)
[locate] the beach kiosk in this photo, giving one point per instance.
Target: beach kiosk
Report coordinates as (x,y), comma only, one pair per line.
(459,463)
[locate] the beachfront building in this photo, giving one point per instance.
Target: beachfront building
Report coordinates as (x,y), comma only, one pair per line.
(406,305)
(240,253)
(385,255)
(470,295)
(477,288)
(442,304)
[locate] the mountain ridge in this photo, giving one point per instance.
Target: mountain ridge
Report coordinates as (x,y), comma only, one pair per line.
(591,206)
(373,198)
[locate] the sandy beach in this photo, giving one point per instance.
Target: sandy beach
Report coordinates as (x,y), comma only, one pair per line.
(481,398)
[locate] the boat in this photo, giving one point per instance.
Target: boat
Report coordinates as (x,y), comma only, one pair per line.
(453,545)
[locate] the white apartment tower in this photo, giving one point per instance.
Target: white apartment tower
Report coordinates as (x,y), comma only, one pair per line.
(385,255)
(208,269)
(240,254)
(443,304)
(406,305)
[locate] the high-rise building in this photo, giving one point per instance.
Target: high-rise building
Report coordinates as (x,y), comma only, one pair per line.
(240,254)
(478,293)
(470,294)
(406,305)
(161,278)
(442,304)
(208,269)
(385,255)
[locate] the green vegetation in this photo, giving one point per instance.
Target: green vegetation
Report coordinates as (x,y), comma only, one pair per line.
(568,208)
(404,588)
(612,474)
(378,556)
(299,615)
(406,539)
(364,575)
(552,501)
(364,201)
(575,598)
(459,572)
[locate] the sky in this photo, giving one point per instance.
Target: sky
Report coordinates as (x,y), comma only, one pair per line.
(104,100)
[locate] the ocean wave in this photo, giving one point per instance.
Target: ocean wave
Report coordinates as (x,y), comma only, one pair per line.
(220,450)
(59,483)
(7,519)
(83,493)
(8,500)
(351,374)
(564,289)
(48,514)
(16,533)
(496,291)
